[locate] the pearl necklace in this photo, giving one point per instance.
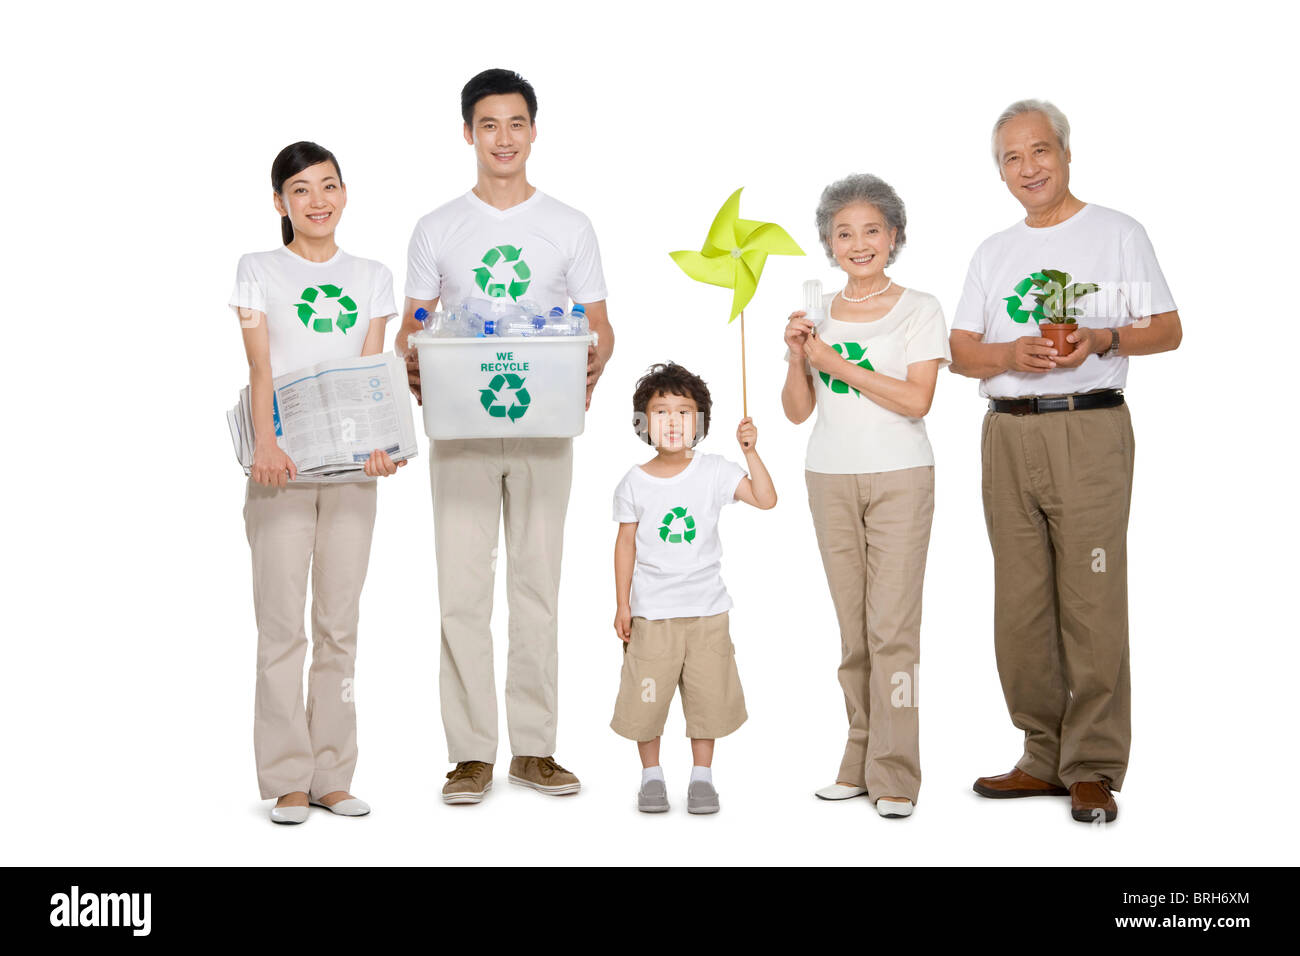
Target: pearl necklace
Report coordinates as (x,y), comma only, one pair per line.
(869,295)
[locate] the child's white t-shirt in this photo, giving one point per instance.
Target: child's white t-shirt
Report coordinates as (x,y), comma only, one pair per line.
(315,311)
(853,434)
(1096,245)
(678,571)
(539,250)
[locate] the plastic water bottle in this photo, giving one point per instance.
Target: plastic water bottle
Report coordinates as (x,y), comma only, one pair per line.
(422,316)
(554,323)
(465,322)
(578,320)
(521,325)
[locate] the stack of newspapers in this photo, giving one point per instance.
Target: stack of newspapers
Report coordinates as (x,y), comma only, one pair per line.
(329,417)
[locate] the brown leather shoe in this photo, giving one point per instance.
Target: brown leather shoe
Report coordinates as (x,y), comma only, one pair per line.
(1090,799)
(468,782)
(544,774)
(1017,783)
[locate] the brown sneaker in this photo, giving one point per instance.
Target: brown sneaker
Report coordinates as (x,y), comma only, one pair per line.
(544,774)
(468,782)
(1017,783)
(1091,799)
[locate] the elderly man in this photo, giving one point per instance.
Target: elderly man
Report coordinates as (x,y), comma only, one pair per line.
(1057,452)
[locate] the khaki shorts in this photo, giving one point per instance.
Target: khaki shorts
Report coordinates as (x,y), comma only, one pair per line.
(694,652)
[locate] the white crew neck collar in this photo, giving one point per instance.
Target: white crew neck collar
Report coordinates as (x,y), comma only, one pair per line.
(308,262)
(1045,230)
(496,213)
(671,478)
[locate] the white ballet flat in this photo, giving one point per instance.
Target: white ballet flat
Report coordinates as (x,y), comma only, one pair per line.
(894,808)
(837,791)
(288,814)
(351,807)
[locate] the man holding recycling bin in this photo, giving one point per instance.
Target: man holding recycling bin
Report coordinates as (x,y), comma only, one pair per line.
(503,239)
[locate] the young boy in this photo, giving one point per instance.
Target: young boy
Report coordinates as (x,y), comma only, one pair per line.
(672,605)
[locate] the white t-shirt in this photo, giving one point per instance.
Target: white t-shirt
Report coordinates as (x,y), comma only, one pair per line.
(540,250)
(678,551)
(315,311)
(853,435)
(1095,245)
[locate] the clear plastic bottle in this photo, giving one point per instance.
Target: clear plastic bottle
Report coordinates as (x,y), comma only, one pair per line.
(468,323)
(578,320)
(452,325)
(521,325)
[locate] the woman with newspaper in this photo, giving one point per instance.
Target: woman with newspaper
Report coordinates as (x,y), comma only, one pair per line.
(302,303)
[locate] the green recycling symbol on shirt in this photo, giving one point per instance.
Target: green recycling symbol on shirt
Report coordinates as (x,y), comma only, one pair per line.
(311,297)
(1055,298)
(855,353)
(687,534)
(520,275)
(495,405)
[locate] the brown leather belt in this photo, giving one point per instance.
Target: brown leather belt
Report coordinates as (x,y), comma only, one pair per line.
(1038,404)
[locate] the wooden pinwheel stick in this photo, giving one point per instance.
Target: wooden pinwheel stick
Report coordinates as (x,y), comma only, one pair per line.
(744,384)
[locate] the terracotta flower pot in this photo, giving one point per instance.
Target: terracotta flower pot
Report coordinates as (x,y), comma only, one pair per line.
(1057,331)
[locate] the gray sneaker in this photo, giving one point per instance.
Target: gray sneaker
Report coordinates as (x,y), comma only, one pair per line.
(652,797)
(701,797)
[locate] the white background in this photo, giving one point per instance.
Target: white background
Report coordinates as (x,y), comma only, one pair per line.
(138,146)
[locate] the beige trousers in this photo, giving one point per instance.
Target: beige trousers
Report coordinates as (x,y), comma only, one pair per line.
(873,531)
(325,528)
(1057,487)
(694,653)
(474,480)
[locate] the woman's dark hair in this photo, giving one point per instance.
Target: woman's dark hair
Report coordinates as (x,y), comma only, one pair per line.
(496,83)
(292,160)
(670,379)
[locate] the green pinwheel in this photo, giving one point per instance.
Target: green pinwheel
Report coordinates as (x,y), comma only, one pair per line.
(734,253)
(733,257)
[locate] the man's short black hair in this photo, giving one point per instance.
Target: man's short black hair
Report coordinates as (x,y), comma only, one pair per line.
(670,379)
(496,83)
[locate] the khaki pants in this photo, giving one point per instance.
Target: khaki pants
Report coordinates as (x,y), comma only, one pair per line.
(695,653)
(873,531)
(1057,487)
(472,481)
(325,528)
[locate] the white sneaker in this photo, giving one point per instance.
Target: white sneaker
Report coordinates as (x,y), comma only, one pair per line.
(894,808)
(288,814)
(351,807)
(837,791)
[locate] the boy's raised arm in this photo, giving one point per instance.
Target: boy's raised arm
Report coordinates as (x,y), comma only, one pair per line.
(756,489)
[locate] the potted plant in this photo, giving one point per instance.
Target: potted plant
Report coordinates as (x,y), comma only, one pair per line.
(1055,307)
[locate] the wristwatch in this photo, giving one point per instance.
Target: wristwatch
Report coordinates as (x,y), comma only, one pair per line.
(1114,345)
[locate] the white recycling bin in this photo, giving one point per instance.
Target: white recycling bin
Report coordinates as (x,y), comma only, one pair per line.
(498,387)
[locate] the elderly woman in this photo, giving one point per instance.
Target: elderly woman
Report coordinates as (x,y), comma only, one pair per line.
(870,366)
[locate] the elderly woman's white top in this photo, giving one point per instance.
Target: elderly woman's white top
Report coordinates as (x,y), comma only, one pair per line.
(854,435)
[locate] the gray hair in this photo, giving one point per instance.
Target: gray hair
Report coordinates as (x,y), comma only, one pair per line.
(1060,125)
(864,188)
